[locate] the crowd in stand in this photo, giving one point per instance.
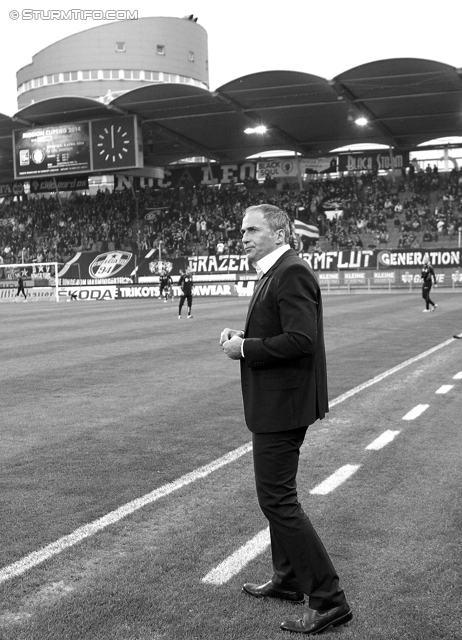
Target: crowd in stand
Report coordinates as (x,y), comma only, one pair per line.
(351,212)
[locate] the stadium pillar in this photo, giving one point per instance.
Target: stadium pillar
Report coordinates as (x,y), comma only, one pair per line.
(299,175)
(57,190)
(390,151)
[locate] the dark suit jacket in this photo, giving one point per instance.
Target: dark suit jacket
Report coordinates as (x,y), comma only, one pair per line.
(283,374)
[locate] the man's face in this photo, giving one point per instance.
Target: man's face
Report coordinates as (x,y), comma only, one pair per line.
(257,237)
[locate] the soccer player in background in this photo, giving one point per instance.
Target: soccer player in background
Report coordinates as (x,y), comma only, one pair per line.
(428,275)
(21,288)
(186,285)
(166,283)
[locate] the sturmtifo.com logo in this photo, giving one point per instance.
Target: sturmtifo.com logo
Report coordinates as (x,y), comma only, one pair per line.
(106,265)
(73,14)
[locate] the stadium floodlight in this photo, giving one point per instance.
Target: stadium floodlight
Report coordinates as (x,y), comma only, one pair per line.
(261,129)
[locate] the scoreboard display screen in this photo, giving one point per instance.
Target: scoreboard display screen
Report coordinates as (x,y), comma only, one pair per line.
(52,150)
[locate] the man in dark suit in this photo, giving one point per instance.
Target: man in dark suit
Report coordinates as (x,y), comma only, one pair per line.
(284,387)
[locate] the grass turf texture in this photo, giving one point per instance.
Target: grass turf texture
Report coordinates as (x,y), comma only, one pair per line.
(102,403)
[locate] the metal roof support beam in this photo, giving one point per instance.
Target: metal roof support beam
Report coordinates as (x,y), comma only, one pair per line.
(423,116)
(345,94)
(252,117)
(114,107)
(411,96)
(255,119)
(194,146)
(23,121)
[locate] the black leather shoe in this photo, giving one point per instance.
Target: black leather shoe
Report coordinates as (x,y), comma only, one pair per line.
(268,590)
(316,621)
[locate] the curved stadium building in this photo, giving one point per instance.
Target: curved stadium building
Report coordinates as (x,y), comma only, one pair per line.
(106,61)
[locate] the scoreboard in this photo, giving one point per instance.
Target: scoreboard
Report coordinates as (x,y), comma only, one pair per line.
(78,147)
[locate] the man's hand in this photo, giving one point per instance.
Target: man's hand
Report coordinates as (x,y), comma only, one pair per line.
(227,334)
(231,341)
(232,347)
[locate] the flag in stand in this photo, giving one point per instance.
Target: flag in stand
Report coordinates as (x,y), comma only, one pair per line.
(308,230)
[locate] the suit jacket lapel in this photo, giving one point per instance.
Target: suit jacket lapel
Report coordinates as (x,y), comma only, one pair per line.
(256,292)
(262,281)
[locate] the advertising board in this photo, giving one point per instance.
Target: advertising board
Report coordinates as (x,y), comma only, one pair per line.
(127,267)
(373,161)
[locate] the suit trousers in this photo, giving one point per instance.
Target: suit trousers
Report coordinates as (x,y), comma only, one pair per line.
(300,560)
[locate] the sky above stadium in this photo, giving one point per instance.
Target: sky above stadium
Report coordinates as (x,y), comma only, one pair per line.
(317,37)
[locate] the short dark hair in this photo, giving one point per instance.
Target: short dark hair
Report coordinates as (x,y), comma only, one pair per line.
(275,217)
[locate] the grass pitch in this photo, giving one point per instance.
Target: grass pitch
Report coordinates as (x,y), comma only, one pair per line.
(105,402)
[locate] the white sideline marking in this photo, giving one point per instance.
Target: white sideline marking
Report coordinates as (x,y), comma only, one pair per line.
(37,557)
(445,388)
(458,376)
(237,560)
(254,547)
(381,441)
(416,412)
(335,480)
(385,374)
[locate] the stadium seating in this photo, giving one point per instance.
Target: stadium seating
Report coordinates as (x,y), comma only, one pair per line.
(424,210)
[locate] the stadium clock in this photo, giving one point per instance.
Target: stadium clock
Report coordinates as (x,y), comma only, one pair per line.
(114,143)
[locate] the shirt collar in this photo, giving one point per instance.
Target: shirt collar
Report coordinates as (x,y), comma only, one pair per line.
(265,264)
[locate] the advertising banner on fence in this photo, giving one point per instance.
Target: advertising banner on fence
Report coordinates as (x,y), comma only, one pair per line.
(347,280)
(373,161)
(11,189)
(33,294)
(44,185)
(43,274)
(416,257)
(207,174)
(125,267)
(293,168)
(148,291)
(396,279)
(215,174)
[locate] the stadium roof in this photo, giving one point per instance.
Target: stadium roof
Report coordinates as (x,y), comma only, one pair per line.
(406,101)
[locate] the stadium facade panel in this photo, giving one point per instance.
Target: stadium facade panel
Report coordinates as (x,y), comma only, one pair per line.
(106,61)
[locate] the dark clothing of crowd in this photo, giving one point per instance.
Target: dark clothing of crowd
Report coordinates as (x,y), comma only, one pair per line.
(351,212)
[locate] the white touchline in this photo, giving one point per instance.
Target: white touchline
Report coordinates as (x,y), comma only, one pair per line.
(237,560)
(381,441)
(445,388)
(335,480)
(37,557)
(385,374)
(259,543)
(458,376)
(416,412)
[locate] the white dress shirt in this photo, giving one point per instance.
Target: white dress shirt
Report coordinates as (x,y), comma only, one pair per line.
(264,265)
(270,259)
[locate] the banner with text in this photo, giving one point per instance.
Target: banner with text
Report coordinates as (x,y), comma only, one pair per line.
(71,183)
(125,267)
(373,161)
(11,189)
(408,279)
